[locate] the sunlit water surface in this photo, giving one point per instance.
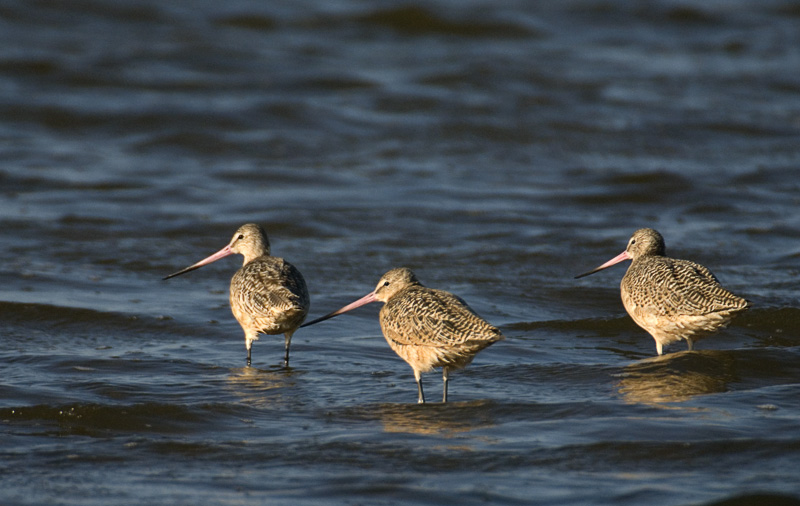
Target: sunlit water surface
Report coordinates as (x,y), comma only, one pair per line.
(497,149)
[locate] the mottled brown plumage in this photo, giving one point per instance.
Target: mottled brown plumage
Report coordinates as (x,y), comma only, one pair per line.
(268,295)
(672,299)
(427,328)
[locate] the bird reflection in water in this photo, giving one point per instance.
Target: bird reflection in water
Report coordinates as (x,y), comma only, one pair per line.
(260,387)
(678,377)
(447,420)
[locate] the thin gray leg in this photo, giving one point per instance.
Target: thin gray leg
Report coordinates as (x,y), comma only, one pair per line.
(421,399)
(444,380)
(286,351)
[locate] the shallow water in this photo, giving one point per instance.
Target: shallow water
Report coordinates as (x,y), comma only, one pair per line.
(497,149)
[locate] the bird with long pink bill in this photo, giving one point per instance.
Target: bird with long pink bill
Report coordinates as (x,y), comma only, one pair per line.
(671,299)
(427,328)
(268,295)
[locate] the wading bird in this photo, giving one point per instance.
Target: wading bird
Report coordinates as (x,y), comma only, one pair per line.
(671,299)
(428,328)
(268,294)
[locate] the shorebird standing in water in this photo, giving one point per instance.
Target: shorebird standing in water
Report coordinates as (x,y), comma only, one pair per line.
(268,294)
(669,298)
(428,328)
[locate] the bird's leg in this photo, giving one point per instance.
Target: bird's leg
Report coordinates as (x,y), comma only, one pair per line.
(444,380)
(248,343)
(690,343)
(659,348)
(288,336)
(421,399)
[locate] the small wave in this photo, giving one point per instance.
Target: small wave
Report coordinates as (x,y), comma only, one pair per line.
(100,420)
(415,20)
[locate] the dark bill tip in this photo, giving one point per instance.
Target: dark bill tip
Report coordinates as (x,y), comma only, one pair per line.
(182,271)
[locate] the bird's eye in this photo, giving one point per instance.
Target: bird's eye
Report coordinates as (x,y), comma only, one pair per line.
(385,283)
(241,236)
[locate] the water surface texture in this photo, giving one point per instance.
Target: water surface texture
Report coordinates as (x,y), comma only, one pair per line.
(496,148)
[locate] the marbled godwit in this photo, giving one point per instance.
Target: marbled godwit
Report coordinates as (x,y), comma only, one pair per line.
(428,328)
(268,294)
(669,298)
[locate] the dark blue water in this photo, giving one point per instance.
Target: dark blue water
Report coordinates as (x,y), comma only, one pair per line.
(496,148)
